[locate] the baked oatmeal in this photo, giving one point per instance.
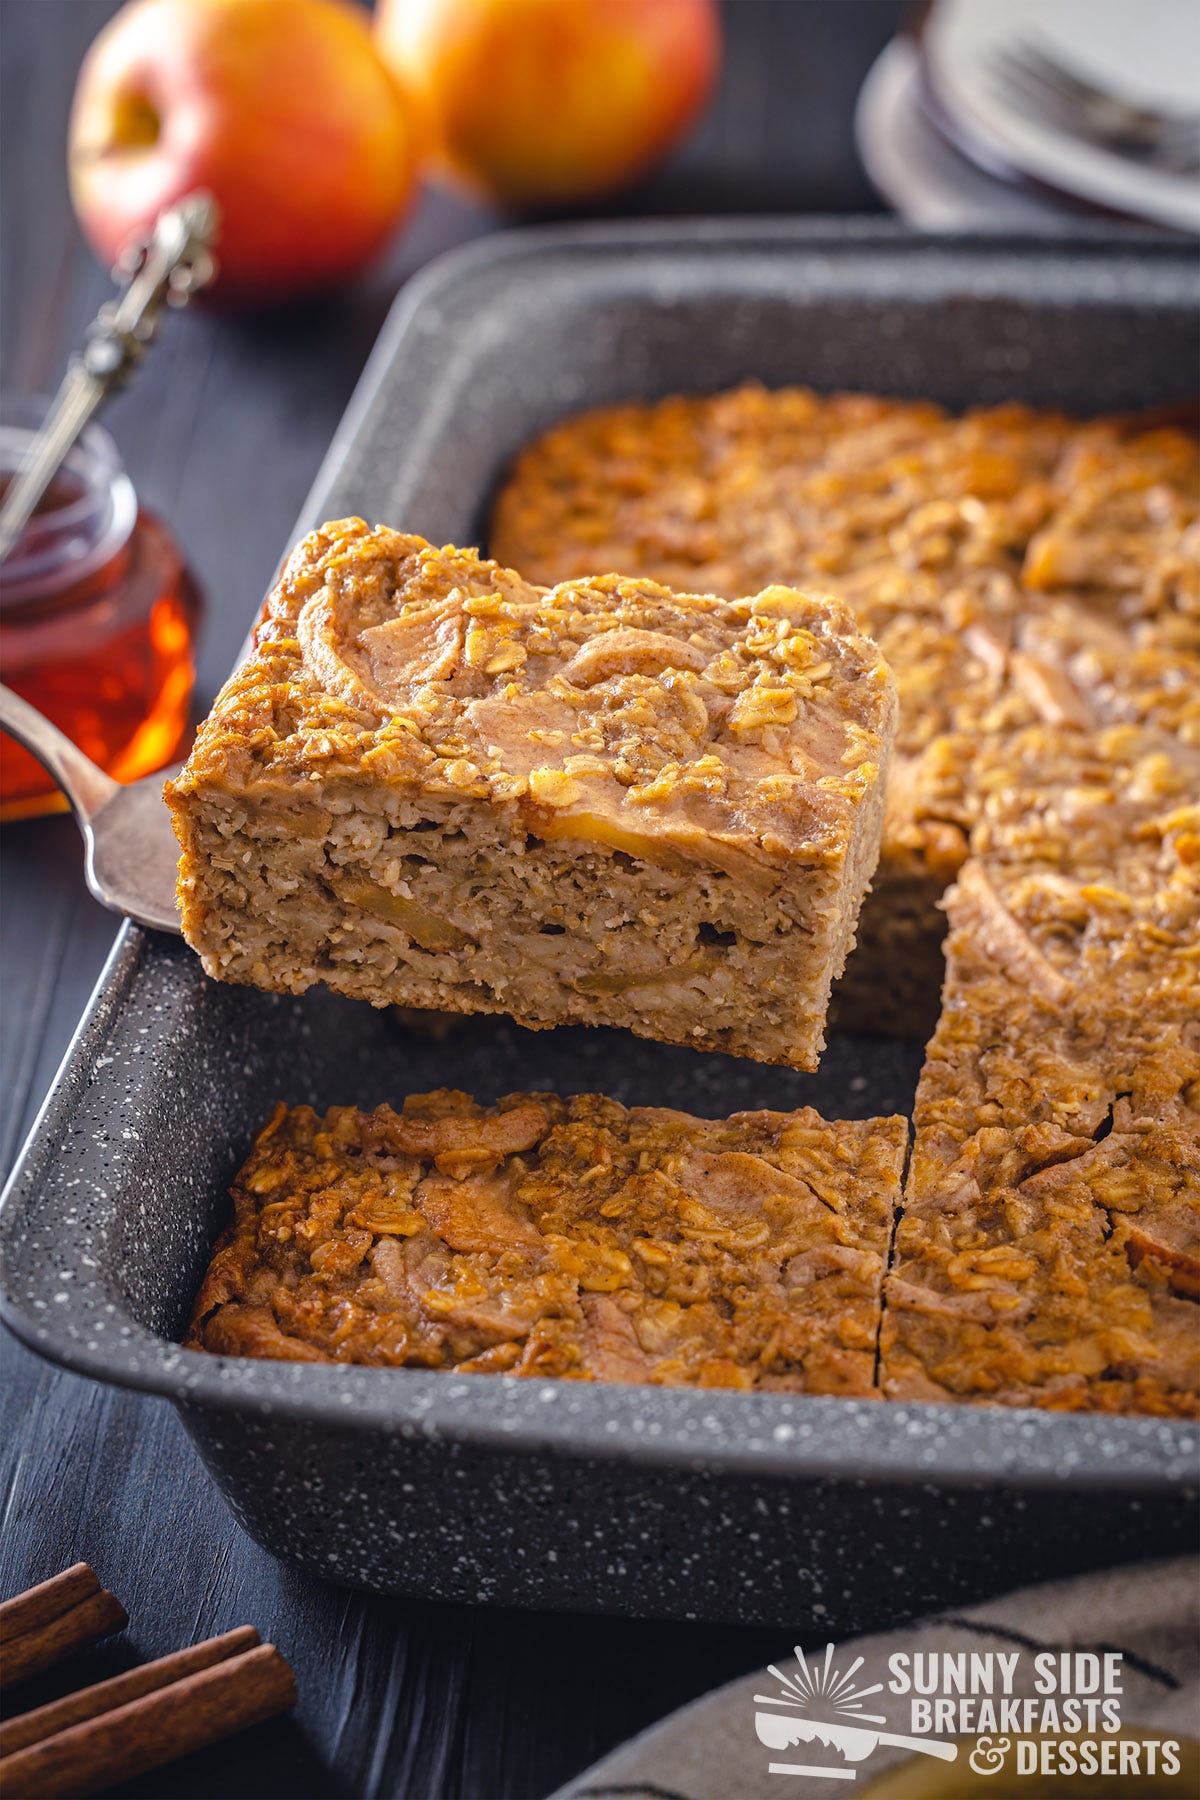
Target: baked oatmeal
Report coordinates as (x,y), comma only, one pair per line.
(1015,567)
(1049,1251)
(1073,1288)
(568,1237)
(435,785)
(1035,584)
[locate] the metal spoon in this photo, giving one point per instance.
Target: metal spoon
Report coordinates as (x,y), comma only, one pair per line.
(131,852)
(165,268)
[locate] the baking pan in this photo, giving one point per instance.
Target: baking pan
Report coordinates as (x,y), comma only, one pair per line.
(778,1509)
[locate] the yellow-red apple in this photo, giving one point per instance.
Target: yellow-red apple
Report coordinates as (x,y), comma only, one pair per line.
(282,109)
(535,101)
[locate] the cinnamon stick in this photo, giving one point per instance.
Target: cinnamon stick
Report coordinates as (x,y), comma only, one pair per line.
(153,1729)
(31,1651)
(38,1605)
(105,1696)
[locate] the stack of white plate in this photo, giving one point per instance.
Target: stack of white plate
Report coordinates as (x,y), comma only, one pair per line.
(942,139)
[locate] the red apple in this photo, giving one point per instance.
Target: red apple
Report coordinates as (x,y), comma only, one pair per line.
(531,101)
(282,109)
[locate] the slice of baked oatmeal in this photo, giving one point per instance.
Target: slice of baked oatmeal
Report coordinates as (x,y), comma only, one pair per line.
(1049,1251)
(1073,1288)
(545,1236)
(437,785)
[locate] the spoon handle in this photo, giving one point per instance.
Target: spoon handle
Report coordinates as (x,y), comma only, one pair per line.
(86,786)
(163,269)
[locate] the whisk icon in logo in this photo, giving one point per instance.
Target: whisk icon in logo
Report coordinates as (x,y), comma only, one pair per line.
(822,1704)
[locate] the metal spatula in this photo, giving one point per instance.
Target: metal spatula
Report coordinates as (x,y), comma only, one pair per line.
(131,852)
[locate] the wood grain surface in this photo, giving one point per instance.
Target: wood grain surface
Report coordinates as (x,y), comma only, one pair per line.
(223,433)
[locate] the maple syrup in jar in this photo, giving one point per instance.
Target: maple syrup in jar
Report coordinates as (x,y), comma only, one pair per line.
(97,619)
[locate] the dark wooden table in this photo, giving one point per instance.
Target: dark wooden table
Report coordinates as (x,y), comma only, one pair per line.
(222,434)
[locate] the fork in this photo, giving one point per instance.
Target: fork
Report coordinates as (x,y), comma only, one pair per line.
(1046,90)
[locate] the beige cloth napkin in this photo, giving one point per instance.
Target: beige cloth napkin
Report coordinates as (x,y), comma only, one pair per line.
(710,1751)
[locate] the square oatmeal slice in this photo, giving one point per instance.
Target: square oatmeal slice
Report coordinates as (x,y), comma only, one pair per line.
(569,1237)
(434,784)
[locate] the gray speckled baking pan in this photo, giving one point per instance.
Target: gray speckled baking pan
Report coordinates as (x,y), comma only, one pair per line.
(715,1505)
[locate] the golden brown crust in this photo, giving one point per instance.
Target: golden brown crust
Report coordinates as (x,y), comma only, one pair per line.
(574,1237)
(610,709)
(1067,1288)
(949,537)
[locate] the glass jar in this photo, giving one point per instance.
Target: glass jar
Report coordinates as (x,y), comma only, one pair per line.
(97,618)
